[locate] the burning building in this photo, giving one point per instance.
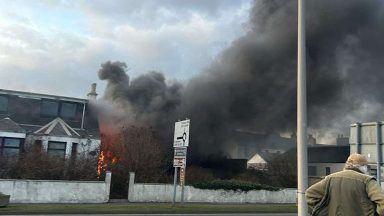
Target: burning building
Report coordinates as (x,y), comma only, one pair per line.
(252,83)
(61,126)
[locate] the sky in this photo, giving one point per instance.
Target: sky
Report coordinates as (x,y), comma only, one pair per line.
(56,47)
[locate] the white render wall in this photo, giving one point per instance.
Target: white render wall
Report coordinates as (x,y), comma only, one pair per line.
(164,193)
(84,145)
(52,191)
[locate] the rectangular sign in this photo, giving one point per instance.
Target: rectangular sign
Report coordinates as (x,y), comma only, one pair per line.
(181,136)
(180,152)
(179,162)
(182,176)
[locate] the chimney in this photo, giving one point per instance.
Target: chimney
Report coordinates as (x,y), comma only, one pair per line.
(92,94)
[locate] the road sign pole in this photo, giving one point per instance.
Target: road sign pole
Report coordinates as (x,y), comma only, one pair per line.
(174,185)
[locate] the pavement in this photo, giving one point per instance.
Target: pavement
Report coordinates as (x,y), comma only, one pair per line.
(259,214)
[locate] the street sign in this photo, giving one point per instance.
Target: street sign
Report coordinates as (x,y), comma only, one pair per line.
(180,152)
(181,137)
(179,161)
(182,176)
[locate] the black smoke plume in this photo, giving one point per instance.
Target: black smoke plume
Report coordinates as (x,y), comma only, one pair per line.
(252,84)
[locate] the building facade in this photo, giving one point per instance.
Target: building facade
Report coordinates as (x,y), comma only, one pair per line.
(61,126)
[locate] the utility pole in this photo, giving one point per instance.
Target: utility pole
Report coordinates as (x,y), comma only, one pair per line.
(302,165)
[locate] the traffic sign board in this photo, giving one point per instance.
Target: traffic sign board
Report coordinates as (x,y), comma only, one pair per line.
(182,176)
(180,152)
(181,136)
(179,161)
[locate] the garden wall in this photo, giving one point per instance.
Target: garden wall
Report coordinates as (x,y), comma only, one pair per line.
(52,191)
(164,193)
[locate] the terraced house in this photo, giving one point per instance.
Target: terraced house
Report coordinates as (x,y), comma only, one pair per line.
(62,126)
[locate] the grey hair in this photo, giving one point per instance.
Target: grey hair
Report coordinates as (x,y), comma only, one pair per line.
(349,165)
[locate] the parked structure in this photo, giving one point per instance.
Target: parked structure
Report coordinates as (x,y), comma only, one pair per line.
(62,126)
(367,139)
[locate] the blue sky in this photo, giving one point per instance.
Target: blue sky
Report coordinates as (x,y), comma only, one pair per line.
(56,47)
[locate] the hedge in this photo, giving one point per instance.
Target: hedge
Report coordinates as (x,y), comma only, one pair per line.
(232,185)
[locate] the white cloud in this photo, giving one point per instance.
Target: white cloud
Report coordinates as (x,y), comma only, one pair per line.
(57,46)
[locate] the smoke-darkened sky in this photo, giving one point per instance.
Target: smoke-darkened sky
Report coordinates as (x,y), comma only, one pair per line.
(252,84)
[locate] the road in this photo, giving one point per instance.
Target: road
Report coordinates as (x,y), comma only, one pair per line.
(260,214)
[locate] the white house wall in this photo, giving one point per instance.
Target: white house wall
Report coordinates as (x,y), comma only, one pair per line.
(84,145)
(12,135)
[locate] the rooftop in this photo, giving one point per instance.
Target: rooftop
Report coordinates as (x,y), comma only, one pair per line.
(40,96)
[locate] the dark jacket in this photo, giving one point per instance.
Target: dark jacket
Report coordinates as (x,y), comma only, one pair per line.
(348,192)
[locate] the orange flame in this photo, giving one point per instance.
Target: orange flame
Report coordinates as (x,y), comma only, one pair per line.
(101,165)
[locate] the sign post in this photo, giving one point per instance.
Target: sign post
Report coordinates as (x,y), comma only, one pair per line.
(174,185)
(180,144)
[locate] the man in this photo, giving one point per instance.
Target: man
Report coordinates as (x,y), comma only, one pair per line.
(349,192)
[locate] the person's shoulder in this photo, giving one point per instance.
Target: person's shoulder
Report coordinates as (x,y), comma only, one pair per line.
(352,174)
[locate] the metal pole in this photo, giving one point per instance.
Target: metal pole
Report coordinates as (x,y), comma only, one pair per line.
(302,166)
(378,151)
(358,138)
(174,185)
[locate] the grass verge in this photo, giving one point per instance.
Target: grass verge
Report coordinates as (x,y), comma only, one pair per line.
(136,208)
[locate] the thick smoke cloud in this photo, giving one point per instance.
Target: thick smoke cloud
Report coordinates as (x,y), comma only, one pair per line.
(252,84)
(146,100)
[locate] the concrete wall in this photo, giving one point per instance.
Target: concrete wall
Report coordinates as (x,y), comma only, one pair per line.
(164,193)
(51,191)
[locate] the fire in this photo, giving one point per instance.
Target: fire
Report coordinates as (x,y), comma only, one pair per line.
(110,148)
(101,165)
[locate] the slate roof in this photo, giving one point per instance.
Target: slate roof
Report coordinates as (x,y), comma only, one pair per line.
(58,127)
(7,125)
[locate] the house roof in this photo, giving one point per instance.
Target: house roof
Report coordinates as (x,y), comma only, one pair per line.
(58,127)
(8,125)
(39,96)
(256,159)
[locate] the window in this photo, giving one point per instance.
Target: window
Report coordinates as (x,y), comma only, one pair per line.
(312,170)
(68,110)
(10,146)
(3,103)
(327,170)
(57,149)
(49,108)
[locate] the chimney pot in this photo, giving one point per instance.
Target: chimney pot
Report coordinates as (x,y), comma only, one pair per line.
(92,94)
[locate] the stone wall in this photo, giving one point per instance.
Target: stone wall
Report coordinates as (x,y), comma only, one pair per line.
(164,193)
(52,191)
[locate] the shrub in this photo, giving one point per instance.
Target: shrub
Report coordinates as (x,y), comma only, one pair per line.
(232,185)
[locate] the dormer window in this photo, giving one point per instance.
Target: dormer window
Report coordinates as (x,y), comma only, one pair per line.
(68,110)
(49,108)
(3,103)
